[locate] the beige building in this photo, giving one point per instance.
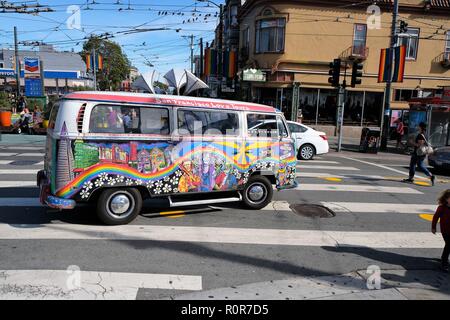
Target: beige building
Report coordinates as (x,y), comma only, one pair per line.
(293,42)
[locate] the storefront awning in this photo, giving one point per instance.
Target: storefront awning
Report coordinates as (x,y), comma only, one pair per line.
(400,105)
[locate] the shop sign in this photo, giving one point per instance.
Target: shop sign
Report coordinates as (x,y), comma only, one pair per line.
(253,75)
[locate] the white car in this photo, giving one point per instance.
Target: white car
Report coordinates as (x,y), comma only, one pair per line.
(308,141)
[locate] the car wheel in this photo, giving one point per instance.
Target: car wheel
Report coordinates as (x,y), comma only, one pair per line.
(119,206)
(306,152)
(257,193)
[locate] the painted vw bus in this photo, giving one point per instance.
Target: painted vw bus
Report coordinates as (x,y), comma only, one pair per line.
(118,149)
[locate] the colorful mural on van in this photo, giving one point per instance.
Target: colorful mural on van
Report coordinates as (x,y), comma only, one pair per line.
(167,168)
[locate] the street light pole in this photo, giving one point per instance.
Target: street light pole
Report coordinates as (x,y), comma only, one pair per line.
(17,62)
(387,96)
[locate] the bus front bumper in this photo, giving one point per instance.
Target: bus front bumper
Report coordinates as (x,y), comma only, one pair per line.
(48,199)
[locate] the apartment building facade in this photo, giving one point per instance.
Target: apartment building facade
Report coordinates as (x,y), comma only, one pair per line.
(292,42)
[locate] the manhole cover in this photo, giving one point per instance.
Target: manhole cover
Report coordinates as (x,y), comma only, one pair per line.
(312,210)
(23,163)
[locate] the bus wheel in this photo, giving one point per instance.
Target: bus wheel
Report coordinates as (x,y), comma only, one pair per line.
(257,192)
(119,206)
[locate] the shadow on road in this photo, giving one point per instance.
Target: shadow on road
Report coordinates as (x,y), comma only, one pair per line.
(423,270)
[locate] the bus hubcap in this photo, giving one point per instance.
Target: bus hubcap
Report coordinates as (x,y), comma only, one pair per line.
(256,193)
(120,204)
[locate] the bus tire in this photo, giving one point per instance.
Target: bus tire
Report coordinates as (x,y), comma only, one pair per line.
(257,193)
(119,206)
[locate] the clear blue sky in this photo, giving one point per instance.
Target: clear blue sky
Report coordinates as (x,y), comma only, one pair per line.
(164,49)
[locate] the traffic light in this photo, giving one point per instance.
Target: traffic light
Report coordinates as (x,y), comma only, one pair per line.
(356,74)
(335,72)
(403,26)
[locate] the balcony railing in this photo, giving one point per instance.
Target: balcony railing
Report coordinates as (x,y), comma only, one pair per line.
(445,59)
(355,53)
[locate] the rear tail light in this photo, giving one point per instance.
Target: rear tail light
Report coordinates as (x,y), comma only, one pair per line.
(324,137)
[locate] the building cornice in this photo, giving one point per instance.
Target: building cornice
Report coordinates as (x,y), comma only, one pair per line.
(437,7)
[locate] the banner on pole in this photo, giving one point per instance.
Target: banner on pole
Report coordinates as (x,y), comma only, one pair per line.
(389,68)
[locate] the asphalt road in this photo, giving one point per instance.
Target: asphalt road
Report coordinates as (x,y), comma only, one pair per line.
(210,252)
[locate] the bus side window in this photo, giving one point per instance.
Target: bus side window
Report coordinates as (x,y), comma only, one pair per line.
(262,125)
(208,122)
(282,128)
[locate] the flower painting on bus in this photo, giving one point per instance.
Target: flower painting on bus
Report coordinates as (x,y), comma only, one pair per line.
(166,168)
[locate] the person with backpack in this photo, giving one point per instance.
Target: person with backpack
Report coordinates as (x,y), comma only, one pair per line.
(421,150)
(443,214)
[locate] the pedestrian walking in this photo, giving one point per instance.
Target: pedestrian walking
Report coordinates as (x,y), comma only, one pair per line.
(443,214)
(418,156)
(21,104)
(400,131)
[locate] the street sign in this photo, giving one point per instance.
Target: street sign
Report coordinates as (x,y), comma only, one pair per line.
(32,66)
(254,75)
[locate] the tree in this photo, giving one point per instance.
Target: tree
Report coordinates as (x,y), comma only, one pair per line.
(116,66)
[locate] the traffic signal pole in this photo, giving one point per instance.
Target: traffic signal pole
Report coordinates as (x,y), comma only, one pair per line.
(387,96)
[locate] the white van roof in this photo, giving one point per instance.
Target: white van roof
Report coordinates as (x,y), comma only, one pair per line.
(169,100)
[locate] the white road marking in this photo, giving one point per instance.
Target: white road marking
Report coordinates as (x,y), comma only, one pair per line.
(383,167)
(6,161)
(301,162)
(301,166)
(63,284)
(23,148)
(355,188)
(317,175)
(5,154)
(13,184)
(19,171)
(362,207)
(222,235)
(39,163)
(31,154)
(340,176)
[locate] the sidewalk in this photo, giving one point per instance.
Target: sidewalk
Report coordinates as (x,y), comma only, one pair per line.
(395,285)
(352,144)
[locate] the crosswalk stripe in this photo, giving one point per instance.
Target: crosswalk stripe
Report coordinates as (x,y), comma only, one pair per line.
(222,235)
(13,184)
(77,284)
(405,173)
(7,154)
(22,148)
(341,176)
(31,154)
(363,207)
(6,161)
(19,171)
(318,161)
(301,166)
(355,188)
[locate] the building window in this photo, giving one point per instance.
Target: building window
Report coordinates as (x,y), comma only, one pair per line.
(404,94)
(359,39)
(410,39)
(447,46)
(270,35)
(234,16)
(246,39)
